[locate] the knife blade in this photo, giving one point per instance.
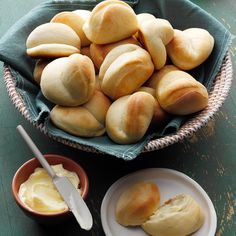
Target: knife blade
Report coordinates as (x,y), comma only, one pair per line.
(68,192)
(74,201)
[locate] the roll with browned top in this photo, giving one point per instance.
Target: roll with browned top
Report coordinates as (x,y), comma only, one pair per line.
(137,203)
(110,21)
(190,48)
(129,117)
(155,34)
(179,93)
(69,81)
(124,70)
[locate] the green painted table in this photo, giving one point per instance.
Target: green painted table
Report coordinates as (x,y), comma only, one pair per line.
(209,156)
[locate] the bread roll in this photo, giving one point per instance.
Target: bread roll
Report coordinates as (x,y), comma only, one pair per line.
(99,51)
(137,204)
(129,117)
(86,51)
(190,48)
(153,80)
(160,116)
(87,120)
(110,21)
(38,69)
(69,81)
(142,17)
(179,216)
(52,40)
(124,70)
(76,21)
(179,93)
(155,35)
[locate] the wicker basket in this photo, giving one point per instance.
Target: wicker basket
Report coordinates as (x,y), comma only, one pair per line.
(218,94)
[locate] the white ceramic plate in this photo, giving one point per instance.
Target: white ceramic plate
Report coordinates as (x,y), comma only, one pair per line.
(170,183)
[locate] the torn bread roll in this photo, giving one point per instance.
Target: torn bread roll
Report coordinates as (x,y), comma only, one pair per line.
(190,48)
(99,51)
(179,93)
(129,117)
(87,120)
(110,21)
(75,20)
(155,35)
(179,216)
(137,204)
(69,81)
(124,70)
(52,40)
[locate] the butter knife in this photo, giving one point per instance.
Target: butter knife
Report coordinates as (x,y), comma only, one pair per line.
(68,192)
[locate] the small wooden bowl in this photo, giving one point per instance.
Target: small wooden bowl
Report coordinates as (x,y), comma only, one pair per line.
(23,173)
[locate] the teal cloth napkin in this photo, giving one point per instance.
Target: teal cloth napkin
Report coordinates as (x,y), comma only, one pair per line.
(182,14)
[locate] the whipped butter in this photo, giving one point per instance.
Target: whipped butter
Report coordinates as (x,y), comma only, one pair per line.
(39,192)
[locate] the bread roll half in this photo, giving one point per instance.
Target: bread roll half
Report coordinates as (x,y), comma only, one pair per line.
(129,117)
(179,216)
(137,204)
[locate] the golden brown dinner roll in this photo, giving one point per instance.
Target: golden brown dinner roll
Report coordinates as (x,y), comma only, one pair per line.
(38,69)
(129,117)
(137,204)
(179,216)
(154,35)
(160,116)
(52,40)
(87,120)
(69,81)
(179,93)
(190,48)
(76,21)
(99,51)
(124,70)
(110,21)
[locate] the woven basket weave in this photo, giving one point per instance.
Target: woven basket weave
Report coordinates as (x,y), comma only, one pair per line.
(218,93)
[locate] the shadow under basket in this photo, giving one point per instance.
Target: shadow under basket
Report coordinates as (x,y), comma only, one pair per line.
(217,95)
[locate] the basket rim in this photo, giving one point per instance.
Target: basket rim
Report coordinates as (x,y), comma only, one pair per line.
(217,95)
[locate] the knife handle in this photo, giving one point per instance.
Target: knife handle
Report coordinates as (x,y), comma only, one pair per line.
(36,151)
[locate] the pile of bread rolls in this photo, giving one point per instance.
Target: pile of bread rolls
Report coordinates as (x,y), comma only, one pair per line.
(139,205)
(111,71)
